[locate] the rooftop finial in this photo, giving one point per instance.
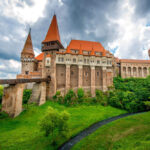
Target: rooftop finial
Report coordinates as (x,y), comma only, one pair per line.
(30,30)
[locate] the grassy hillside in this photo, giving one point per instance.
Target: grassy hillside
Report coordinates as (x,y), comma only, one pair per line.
(22,133)
(130,133)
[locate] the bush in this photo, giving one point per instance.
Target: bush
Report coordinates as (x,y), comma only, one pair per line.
(1,93)
(80,94)
(147,104)
(70,98)
(101,97)
(26,95)
(58,97)
(3,115)
(132,94)
(55,124)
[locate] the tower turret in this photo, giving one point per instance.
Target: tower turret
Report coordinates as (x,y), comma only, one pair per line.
(27,56)
(52,40)
(50,46)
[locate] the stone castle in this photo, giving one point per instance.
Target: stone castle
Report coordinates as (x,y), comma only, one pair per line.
(85,64)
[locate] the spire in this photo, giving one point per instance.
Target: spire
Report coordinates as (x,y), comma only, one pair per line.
(28,48)
(53,31)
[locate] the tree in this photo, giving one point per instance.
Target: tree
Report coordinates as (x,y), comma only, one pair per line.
(55,124)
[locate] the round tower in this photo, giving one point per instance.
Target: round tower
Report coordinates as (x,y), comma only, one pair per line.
(27,56)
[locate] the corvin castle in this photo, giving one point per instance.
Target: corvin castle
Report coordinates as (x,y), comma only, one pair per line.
(85,64)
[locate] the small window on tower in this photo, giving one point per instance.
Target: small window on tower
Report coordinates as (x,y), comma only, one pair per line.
(52,43)
(47,61)
(26,72)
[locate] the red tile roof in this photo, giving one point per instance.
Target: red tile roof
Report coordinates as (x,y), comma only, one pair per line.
(28,48)
(53,31)
(87,46)
(134,61)
(40,57)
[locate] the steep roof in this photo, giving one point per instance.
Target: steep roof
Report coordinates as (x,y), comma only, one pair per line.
(53,31)
(86,45)
(28,48)
(40,57)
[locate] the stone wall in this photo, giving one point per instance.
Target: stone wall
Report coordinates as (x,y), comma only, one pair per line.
(61,76)
(73,76)
(134,70)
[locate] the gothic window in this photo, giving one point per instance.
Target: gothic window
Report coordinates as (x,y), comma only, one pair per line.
(88,61)
(47,61)
(86,74)
(97,73)
(74,60)
(74,51)
(59,59)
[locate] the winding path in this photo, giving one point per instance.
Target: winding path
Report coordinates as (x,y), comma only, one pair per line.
(70,143)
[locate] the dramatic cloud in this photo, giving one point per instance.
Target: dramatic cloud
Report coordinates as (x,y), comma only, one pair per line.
(123,27)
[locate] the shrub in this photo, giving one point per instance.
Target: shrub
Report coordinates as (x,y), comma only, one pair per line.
(55,124)
(70,98)
(3,115)
(58,97)
(147,104)
(26,95)
(101,97)
(80,94)
(1,93)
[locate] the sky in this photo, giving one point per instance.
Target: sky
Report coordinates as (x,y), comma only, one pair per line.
(121,26)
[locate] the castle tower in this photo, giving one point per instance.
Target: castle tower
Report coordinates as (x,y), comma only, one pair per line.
(50,46)
(27,56)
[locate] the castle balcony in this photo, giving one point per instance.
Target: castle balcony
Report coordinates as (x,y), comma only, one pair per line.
(51,47)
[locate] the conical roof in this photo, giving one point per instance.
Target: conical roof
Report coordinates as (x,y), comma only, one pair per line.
(28,48)
(53,31)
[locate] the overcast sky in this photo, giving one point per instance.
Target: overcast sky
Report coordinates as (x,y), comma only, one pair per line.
(122,26)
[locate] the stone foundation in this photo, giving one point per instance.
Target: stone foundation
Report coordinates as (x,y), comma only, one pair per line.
(12,99)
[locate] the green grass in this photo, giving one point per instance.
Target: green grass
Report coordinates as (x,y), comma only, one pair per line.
(130,133)
(22,132)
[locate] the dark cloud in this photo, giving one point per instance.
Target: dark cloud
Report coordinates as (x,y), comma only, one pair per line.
(142,7)
(79,19)
(11,40)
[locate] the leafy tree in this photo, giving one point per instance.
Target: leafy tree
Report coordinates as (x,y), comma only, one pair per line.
(55,124)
